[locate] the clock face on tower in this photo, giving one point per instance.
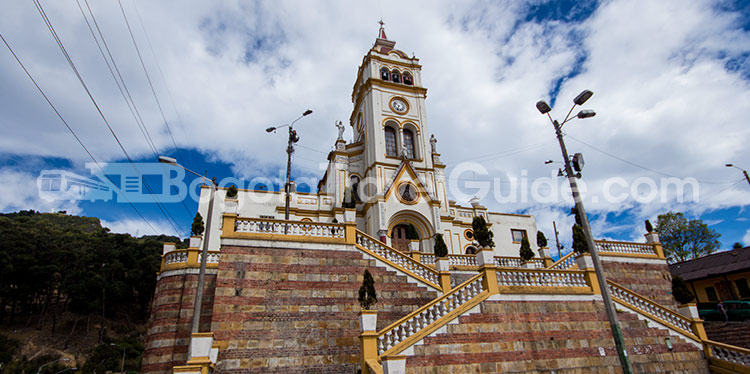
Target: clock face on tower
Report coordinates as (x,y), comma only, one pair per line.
(399,106)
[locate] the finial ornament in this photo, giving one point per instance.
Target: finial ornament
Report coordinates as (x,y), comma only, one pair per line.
(381,22)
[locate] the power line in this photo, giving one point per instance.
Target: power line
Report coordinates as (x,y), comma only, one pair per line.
(641,166)
(28,74)
(52,30)
(148,78)
(128,99)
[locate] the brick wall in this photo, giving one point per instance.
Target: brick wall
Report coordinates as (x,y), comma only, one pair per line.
(650,280)
(171,318)
(295,311)
(542,336)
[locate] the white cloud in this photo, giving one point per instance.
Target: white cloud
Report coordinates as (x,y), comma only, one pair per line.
(663,96)
(18,191)
(746,238)
(137,227)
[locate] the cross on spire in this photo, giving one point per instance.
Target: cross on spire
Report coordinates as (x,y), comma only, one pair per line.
(381,32)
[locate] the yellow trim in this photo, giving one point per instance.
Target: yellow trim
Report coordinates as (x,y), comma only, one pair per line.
(467,237)
(401,199)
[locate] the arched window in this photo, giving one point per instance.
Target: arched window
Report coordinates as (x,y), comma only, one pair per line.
(409,143)
(407,79)
(384,74)
(396,76)
(390,141)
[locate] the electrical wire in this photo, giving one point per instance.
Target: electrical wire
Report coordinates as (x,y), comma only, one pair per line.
(64,51)
(72,132)
(641,166)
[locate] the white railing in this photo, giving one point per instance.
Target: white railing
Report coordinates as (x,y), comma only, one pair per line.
(462,260)
(213,257)
(541,278)
(428,314)
(566,262)
(398,258)
(729,353)
(427,259)
(312,229)
(624,247)
(515,262)
(650,308)
(175,258)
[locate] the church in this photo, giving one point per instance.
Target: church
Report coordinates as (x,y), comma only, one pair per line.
(392,169)
(281,295)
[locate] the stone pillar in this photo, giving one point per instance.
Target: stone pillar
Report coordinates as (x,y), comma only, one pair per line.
(368,338)
(394,365)
(544,252)
(443,268)
(586,263)
(199,352)
(486,261)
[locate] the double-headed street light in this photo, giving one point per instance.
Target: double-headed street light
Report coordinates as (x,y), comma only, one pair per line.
(293,138)
(204,252)
(744,172)
(609,306)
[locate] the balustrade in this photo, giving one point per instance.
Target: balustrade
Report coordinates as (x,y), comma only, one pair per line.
(655,310)
(729,353)
(398,258)
(623,247)
(312,229)
(542,278)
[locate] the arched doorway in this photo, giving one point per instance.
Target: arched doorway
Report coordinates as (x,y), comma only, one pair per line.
(400,236)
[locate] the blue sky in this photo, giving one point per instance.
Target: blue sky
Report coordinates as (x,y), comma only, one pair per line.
(671,82)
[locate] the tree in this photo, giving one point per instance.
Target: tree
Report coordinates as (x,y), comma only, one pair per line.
(441,250)
(367,295)
(684,239)
(580,245)
(197,227)
(526,253)
(541,240)
(349,201)
(232,192)
(411,232)
(482,234)
(737,245)
(680,291)
(649,227)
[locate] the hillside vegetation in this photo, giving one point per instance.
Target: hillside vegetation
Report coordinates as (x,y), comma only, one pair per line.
(71,290)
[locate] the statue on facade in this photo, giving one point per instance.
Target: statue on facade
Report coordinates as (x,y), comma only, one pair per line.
(340,126)
(433,143)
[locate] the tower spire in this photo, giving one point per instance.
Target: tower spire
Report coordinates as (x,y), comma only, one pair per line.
(382,44)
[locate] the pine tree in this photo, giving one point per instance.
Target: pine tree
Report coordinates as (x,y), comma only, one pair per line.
(526,253)
(349,202)
(649,227)
(441,250)
(541,240)
(580,245)
(197,228)
(482,234)
(367,295)
(232,191)
(680,291)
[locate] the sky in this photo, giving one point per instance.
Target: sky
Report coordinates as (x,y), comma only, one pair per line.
(201,81)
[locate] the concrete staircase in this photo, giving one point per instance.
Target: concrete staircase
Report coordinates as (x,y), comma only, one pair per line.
(734,333)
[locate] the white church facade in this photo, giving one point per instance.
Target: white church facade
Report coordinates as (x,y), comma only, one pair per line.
(392,168)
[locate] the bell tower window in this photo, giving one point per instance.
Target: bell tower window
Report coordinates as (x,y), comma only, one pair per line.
(385,74)
(396,76)
(409,143)
(407,79)
(390,142)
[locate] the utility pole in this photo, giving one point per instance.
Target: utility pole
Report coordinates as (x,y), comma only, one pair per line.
(557,240)
(744,172)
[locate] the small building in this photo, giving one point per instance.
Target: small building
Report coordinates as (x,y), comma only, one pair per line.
(719,276)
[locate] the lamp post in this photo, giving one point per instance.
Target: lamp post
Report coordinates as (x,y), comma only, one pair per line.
(122,363)
(743,171)
(293,138)
(204,252)
(609,306)
(38,371)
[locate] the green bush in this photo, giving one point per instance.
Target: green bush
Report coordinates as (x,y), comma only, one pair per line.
(367,296)
(526,253)
(349,201)
(232,191)
(197,227)
(482,234)
(541,240)
(680,291)
(411,232)
(579,240)
(649,227)
(441,250)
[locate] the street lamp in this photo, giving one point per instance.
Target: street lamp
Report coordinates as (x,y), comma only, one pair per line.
(609,306)
(743,171)
(204,252)
(50,363)
(293,138)
(122,363)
